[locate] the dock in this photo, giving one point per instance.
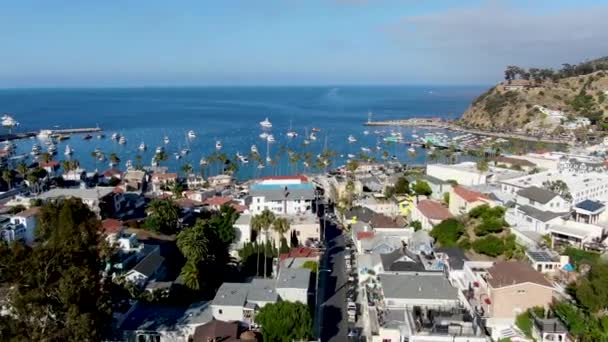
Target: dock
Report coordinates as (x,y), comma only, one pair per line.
(437,123)
(27,135)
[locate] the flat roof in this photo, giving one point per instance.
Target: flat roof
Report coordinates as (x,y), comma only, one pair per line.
(89,193)
(231,294)
(417,286)
(294,278)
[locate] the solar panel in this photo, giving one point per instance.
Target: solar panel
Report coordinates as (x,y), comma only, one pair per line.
(541,256)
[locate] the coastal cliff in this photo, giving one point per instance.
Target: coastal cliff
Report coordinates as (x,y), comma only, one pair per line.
(542,99)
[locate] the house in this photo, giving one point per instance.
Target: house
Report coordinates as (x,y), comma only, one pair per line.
(588,211)
(452,259)
(462,200)
(507,289)
(465,173)
(542,199)
(241,301)
(194,181)
(162,322)
(76,175)
(297,256)
(285,195)
(50,167)
(293,284)
(243,230)
(546,261)
(420,242)
(220,181)
(515,163)
(134,180)
(429,213)
(217,331)
(379,204)
(96,199)
(428,290)
(438,186)
(549,330)
(149,268)
(528,218)
(110,174)
(216,202)
(577,234)
(162,180)
(25,220)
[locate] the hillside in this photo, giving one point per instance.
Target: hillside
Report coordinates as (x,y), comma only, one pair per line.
(541,99)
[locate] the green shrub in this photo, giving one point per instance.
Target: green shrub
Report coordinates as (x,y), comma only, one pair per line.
(448,232)
(489,245)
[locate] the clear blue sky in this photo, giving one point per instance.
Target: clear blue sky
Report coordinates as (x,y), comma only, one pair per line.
(249,42)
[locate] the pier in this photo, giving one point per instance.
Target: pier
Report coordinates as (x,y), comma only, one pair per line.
(27,135)
(437,123)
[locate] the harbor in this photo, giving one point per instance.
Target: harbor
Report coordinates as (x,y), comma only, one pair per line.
(49,132)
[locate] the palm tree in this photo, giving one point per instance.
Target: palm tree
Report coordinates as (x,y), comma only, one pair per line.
(162,156)
(74,164)
(191,275)
(138,162)
(45,157)
(176,189)
(66,165)
(114,158)
(187,168)
(262,223)
(22,169)
(281,226)
(8,177)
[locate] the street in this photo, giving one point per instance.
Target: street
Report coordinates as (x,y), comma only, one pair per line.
(332,319)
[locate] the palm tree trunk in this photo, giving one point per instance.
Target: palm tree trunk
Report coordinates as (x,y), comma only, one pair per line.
(265,261)
(257,265)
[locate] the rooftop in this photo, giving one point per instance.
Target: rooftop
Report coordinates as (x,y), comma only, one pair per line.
(537,194)
(543,216)
(456,256)
(469,195)
(300,178)
(433,210)
(272,192)
(419,286)
(216,331)
(591,206)
(515,161)
(217,200)
(507,273)
(89,193)
(542,256)
(294,278)
(111,226)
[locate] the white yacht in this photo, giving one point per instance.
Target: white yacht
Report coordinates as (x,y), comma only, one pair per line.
(351,139)
(366,132)
(350,156)
(166,140)
(244,160)
(184,151)
(306,141)
(411,150)
(203,161)
(270,138)
(177,156)
(9,121)
(115,136)
(312,136)
(266,123)
(264,135)
(191,134)
(254,149)
(365,149)
(68,150)
(35,150)
(122,140)
(52,148)
(142,146)
(160,149)
(218,145)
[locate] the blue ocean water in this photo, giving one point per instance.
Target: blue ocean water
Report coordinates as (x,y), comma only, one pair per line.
(231,115)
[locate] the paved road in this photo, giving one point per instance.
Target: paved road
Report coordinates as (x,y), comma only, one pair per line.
(332,288)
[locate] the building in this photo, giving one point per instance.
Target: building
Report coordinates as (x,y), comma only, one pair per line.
(542,199)
(151,267)
(284,195)
(528,218)
(133,180)
(577,234)
(515,163)
(162,181)
(465,173)
(429,213)
(438,186)
(217,331)
(546,261)
(293,284)
(462,200)
(549,330)
(427,290)
(243,231)
(240,301)
(379,204)
(95,198)
(24,221)
(588,211)
(220,181)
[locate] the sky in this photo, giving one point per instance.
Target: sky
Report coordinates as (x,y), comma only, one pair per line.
(61,43)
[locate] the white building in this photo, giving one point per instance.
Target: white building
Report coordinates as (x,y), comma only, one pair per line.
(288,195)
(92,197)
(293,284)
(25,221)
(542,199)
(240,301)
(465,173)
(429,290)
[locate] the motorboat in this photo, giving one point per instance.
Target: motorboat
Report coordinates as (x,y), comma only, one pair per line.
(260,166)
(115,136)
(52,149)
(122,140)
(9,121)
(266,123)
(35,150)
(177,156)
(365,149)
(411,150)
(191,134)
(166,140)
(270,138)
(254,149)
(101,136)
(351,139)
(268,159)
(87,137)
(315,129)
(68,150)
(142,146)
(366,132)
(160,149)
(292,134)
(218,145)
(184,151)
(350,155)
(312,136)
(306,141)
(264,135)
(244,160)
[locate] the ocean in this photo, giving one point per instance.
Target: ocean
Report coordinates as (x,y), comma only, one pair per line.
(230,115)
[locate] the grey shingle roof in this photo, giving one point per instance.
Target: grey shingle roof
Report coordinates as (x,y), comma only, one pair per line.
(262,290)
(231,294)
(537,194)
(455,255)
(543,216)
(417,286)
(152,262)
(294,278)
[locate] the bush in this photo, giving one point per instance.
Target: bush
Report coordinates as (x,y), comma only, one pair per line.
(416,225)
(448,232)
(489,245)
(580,257)
(489,225)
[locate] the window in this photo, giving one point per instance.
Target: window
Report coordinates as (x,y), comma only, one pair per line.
(521,291)
(258,199)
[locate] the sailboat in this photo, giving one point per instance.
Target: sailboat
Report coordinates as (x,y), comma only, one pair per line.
(191,134)
(218,145)
(268,159)
(291,133)
(306,141)
(166,140)
(351,139)
(142,146)
(254,149)
(266,123)
(68,150)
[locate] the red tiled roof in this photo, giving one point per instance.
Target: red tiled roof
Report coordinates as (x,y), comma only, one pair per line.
(33,211)
(365,235)
(187,203)
(297,177)
(111,226)
(508,273)
(111,173)
(433,210)
(469,195)
(300,252)
(238,207)
(164,176)
(217,200)
(52,163)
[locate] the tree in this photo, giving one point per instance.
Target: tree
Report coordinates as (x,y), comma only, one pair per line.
(176,188)
(312,265)
(285,321)
(163,216)
(262,223)
(482,165)
(191,275)
(58,293)
(402,186)
(447,232)
(416,225)
(489,245)
(293,241)
(281,226)
(45,157)
(22,169)
(223,224)
(422,188)
(559,187)
(8,177)
(187,168)
(193,243)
